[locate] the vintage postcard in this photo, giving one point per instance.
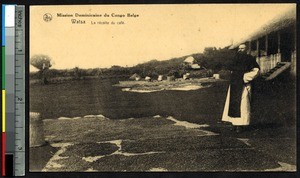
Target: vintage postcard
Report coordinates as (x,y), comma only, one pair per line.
(168,87)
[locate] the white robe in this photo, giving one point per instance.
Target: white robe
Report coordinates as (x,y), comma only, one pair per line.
(245,101)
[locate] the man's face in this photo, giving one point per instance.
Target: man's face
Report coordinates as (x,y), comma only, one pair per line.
(242,48)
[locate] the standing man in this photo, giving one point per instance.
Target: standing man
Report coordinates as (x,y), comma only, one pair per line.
(237,106)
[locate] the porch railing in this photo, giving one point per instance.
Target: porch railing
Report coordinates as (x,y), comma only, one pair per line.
(266,63)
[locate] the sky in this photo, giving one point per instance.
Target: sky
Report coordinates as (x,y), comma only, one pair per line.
(156,32)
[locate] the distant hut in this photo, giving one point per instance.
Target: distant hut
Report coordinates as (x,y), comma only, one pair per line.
(186,76)
(147,78)
(189,60)
(170,78)
(160,78)
(195,66)
(135,76)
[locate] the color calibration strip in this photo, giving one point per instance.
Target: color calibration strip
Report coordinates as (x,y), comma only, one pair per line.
(12,39)
(3,147)
(3,95)
(8,44)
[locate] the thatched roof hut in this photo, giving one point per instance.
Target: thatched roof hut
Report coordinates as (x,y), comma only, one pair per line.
(134,76)
(189,60)
(195,66)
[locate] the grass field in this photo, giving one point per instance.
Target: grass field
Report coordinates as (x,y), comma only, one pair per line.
(85,97)
(274,104)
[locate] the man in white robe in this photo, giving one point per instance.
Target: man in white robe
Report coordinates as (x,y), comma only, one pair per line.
(237,108)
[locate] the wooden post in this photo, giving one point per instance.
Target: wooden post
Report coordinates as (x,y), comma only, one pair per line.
(294,57)
(295,38)
(278,47)
(278,38)
(267,59)
(258,52)
(257,48)
(249,48)
(267,39)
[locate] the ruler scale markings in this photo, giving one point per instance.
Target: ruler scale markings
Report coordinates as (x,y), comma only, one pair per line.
(20,92)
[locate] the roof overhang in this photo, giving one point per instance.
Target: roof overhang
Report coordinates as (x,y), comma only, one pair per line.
(278,23)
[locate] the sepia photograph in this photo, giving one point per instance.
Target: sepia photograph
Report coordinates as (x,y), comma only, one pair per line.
(162,88)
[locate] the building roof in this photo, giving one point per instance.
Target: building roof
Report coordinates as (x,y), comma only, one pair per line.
(195,66)
(278,23)
(134,76)
(189,60)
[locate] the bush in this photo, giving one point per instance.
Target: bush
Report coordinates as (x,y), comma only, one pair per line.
(173,73)
(201,73)
(224,74)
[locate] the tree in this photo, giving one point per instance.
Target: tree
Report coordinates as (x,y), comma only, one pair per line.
(43,63)
(77,73)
